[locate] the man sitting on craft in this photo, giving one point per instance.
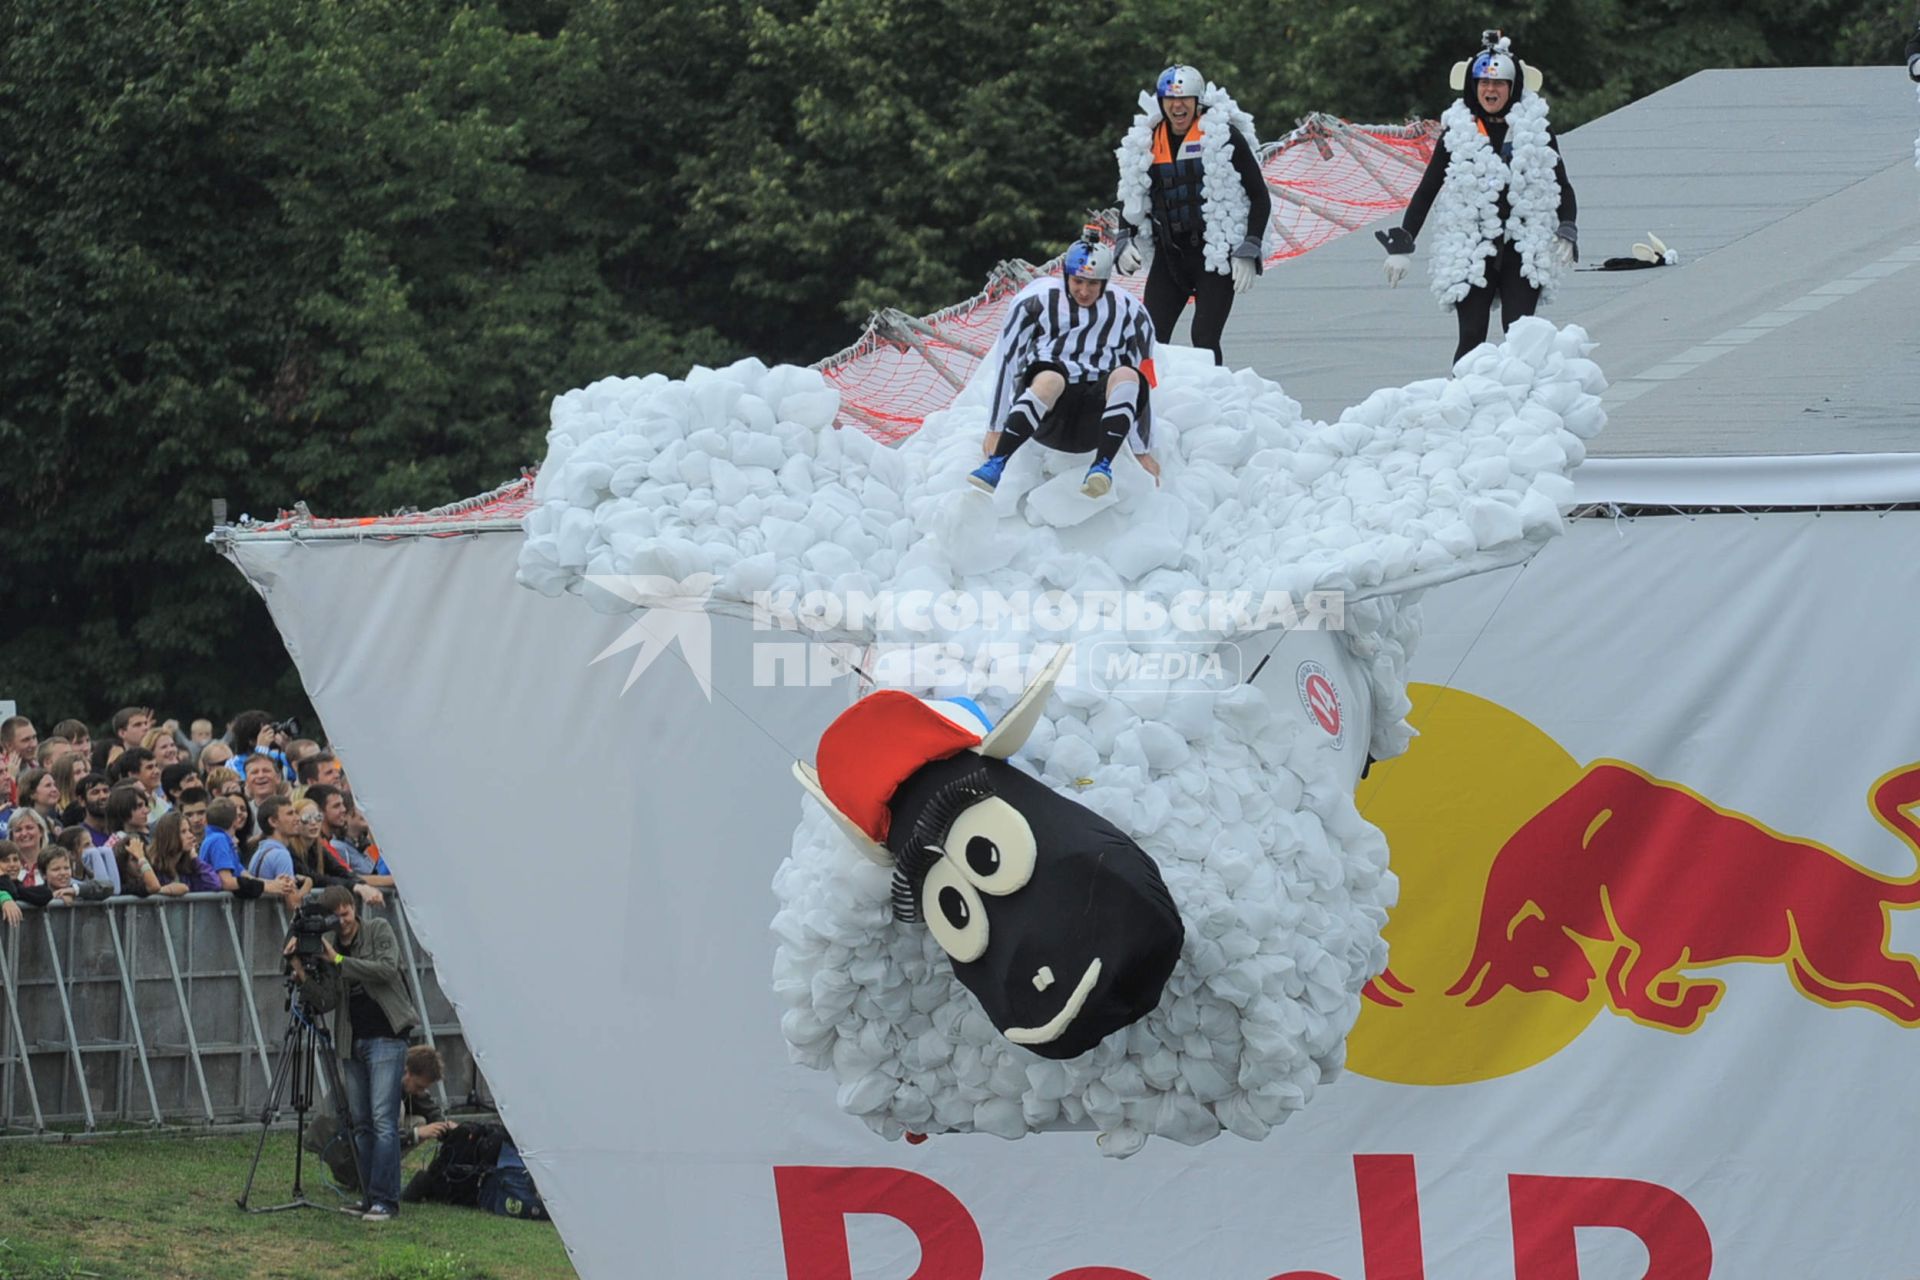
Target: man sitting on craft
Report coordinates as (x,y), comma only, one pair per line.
(1071,359)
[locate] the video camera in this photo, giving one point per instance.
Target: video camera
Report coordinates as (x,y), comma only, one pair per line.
(311,922)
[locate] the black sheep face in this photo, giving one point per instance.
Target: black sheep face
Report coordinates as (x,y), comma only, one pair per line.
(1056,921)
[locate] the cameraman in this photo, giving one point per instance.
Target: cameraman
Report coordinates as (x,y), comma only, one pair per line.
(357,976)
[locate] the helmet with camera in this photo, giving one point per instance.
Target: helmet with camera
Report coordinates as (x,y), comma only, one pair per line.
(1180,81)
(1089,258)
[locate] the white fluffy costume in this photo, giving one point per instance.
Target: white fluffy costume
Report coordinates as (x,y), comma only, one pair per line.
(1467,227)
(1224,198)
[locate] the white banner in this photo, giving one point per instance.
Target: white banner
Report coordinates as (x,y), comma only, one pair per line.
(1645,771)
(1787,480)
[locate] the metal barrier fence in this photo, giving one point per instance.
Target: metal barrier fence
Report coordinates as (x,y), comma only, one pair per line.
(167,1011)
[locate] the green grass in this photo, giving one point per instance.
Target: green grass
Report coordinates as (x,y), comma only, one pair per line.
(164,1209)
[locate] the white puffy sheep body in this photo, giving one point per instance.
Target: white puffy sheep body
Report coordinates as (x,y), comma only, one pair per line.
(1282,887)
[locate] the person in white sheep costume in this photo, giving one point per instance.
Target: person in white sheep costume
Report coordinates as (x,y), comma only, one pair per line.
(1504,211)
(738,477)
(1192,192)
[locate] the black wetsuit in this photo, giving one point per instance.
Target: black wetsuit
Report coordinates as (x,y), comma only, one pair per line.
(1518,296)
(1179,270)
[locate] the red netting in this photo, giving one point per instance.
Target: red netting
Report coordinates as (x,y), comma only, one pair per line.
(504,506)
(1327,177)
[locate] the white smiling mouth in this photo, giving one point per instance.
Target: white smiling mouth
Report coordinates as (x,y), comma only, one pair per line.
(1060,1021)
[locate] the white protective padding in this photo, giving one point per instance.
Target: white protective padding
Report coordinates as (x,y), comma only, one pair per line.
(1230,788)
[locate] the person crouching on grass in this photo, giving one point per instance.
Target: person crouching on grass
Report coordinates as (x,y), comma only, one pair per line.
(421,1120)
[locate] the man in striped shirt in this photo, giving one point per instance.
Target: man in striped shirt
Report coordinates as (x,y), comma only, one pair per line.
(1071,358)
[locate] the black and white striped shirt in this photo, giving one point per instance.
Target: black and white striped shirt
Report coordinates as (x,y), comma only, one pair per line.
(1045,325)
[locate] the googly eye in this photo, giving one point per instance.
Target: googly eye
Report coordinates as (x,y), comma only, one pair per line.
(992,845)
(953,911)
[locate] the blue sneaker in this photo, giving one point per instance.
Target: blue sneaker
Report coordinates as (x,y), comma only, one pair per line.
(1099,480)
(986,477)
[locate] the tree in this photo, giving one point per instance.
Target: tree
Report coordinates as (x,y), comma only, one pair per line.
(269,250)
(348,250)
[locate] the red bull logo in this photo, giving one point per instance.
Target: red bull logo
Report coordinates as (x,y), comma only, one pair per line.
(1528,909)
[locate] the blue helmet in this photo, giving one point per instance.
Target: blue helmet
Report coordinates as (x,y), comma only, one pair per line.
(1180,82)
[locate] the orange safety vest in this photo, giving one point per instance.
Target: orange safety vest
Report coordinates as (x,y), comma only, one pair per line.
(1163,143)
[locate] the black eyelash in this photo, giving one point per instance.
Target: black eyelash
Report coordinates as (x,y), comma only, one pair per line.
(929,834)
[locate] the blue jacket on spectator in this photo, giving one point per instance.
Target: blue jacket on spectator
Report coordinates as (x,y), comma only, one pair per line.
(217,854)
(271,860)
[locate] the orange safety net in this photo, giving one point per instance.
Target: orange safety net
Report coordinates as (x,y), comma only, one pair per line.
(504,507)
(1327,177)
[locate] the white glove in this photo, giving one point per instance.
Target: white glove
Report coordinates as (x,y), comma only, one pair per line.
(1128,260)
(1566,245)
(1243,274)
(1396,268)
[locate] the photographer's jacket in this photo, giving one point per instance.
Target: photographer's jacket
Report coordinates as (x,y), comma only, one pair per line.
(375,965)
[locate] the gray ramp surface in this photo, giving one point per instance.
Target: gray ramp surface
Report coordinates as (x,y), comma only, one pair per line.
(1789,326)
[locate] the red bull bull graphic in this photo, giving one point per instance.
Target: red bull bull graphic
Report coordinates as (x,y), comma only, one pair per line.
(1532,903)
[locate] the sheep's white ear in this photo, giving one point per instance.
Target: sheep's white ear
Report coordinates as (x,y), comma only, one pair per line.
(1011,733)
(1533,77)
(1457,78)
(866,844)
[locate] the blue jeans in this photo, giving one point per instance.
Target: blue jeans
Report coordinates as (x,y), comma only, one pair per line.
(372,1078)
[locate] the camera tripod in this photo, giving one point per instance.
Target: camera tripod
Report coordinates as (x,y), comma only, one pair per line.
(306,1041)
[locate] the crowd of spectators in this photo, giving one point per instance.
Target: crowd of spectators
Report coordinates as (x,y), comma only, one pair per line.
(148,809)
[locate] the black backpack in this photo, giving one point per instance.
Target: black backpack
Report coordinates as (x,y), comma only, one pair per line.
(465,1157)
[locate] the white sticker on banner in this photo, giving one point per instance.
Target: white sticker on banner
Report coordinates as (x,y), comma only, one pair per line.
(1322,701)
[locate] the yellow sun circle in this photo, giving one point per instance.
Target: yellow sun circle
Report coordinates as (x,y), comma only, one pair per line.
(1475,774)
